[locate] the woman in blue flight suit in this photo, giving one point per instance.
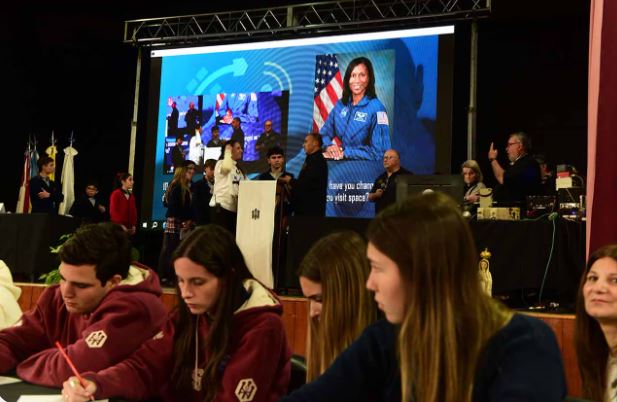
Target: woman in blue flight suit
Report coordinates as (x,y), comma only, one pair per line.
(357,127)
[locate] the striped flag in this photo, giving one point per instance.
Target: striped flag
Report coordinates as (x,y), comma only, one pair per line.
(23,201)
(219,101)
(328,88)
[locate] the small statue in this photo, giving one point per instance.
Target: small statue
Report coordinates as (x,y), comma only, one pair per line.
(486,279)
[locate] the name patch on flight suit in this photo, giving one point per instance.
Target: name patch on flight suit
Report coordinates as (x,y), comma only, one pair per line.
(360,116)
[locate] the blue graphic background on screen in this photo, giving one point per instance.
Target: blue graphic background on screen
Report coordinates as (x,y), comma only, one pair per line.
(293,69)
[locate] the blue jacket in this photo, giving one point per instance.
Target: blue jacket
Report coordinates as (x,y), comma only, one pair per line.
(363,129)
(521,362)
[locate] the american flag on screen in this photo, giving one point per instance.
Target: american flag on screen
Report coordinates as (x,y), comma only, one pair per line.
(219,100)
(328,88)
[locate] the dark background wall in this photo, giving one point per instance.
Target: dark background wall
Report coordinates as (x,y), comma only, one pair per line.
(64,67)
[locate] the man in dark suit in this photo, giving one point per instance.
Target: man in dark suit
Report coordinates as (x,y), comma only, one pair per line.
(45,194)
(309,189)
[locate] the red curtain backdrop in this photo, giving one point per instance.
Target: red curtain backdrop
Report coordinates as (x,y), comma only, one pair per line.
(602,126)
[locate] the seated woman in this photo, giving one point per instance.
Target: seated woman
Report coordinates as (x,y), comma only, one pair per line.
(332,274)
(224,342)
(10,312)
(454,343)
(472,176)
(596,326)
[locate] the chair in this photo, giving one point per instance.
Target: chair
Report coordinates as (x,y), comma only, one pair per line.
(298,373)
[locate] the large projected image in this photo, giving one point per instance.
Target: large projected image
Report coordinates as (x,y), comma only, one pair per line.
(364,93)
(210,120)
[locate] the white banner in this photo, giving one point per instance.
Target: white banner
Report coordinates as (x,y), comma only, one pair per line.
(255,227)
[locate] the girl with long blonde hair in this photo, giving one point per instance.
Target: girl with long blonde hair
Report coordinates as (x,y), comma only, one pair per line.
(332,273)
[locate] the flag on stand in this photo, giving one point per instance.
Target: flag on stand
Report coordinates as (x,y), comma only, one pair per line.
(328,88)
(34,159)
(23,200)
(52,151)
(68,180)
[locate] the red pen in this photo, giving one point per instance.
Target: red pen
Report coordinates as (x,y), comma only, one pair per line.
(72,366)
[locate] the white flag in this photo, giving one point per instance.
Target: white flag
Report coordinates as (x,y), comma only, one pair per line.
(68,181)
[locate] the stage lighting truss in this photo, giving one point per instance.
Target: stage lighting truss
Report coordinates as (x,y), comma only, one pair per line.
(300,20)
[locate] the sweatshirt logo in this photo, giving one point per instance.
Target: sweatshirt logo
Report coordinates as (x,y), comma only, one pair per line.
(96,339)
(246,390)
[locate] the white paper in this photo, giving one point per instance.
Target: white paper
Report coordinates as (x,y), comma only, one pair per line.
(8,380)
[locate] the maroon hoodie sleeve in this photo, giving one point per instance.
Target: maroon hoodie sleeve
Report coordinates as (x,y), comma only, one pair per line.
(28,337)
(114,330)
(259,367)
(143,374)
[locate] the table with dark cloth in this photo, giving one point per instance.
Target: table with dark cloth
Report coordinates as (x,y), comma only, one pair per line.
(25,240)
(520,252)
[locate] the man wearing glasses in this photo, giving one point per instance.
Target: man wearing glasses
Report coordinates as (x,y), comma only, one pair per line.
(522,177)
(268,139)
(383,192)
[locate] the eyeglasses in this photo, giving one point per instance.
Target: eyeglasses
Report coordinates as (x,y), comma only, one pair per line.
(512,143)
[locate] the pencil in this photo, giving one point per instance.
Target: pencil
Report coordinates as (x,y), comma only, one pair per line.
(72,366)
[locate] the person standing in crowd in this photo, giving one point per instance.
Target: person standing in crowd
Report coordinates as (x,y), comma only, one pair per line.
(45,194)
(191,119)
(178,218)
(522,177)
(225,341)
(178,153)
(357,127)
(444,339)
(215,141)
(238,133)
(268,139)
(172,121)
(122,205)
(88,206)
(227,177)
(330,279)
(383,192)
(276,161)
(196,147)
(596,326)
(9,294)
(202,193)
(102,311)
(309,189)
(472,176)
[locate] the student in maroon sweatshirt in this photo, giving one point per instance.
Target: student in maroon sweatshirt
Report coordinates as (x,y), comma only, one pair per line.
(225,342)
(103,310)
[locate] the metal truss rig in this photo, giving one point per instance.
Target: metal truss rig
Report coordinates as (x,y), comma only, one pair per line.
(299,20)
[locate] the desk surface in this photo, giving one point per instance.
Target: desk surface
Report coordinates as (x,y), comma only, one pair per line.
(12,392)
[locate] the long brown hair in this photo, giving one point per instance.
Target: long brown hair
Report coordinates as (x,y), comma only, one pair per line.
(448,318)
(214,248)
(591,347)
(338,262)
(181,180)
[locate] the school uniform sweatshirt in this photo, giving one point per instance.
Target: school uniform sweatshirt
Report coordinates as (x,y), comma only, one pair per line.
(257,368)
(128,315)
(9,293)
